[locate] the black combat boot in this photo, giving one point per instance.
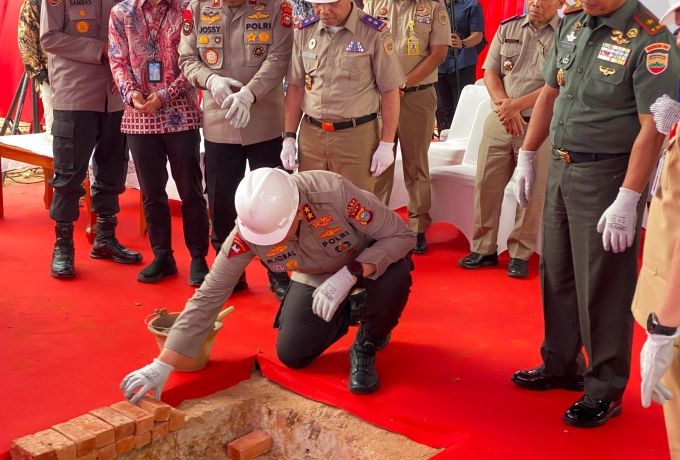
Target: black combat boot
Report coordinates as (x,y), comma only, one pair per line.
(278,284)
(106,245)
(64,251)
(363,378)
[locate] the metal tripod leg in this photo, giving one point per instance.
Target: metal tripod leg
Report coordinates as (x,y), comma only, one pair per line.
(19,97)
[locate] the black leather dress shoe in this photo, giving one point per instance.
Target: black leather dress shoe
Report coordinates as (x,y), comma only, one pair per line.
(198,271)
(589,412)
(421,244)
(539,380)
(518,268)
(158,269)
(278,284)
(476,260)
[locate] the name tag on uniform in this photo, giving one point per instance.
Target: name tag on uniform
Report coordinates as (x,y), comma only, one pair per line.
(511,40)
(567,46)
(309,55)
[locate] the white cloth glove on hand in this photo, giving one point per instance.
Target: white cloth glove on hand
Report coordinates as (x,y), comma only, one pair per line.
(220,87)
(383,157)
(288,153)
(523,177)
(151,377)
(239,107)
(666,113)
(331,293)
(619,220)
(655,360)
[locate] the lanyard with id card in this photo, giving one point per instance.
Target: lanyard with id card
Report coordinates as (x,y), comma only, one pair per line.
(412,42)
(154,68)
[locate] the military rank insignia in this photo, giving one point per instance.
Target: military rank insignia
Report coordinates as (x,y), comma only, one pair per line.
(657,57)
(308,212)
(322,222)
(649,23)
(377,24)
(187,22)
(238,247)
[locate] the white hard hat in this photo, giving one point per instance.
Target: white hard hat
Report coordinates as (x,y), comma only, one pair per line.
(266,203)
(669,17)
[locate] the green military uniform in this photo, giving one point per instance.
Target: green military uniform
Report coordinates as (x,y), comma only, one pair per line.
(608,70)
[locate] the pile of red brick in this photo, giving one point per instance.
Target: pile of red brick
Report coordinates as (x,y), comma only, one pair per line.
(103,434)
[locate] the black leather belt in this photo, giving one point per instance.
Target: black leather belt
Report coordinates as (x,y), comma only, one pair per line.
(342,124)
(578,157)
(411,89)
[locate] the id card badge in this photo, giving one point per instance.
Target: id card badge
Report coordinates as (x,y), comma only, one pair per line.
(412,45)
(657,176)
(154,71)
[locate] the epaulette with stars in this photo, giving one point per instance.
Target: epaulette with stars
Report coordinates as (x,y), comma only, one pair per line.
(309,20)
(376,23)
(649,22)
(574,8)
(514,18)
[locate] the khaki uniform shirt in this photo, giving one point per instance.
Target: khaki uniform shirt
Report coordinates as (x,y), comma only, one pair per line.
(430,27)
(343,74)
(341,223)
(518,53)
(251,45)
(608,71)
(74,34)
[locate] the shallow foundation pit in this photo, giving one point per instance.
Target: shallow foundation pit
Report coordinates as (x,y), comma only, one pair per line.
(301,429)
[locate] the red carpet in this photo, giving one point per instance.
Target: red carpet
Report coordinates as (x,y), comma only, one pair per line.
(445,373)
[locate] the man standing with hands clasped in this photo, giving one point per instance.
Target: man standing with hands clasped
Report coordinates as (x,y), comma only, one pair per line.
(162,119)
(343,65)
(239,51)
(611,61)
(87,116)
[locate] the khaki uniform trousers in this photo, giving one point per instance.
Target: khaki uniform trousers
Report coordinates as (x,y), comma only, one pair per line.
(347,152)
(495,164)
(414,134)
(663,231)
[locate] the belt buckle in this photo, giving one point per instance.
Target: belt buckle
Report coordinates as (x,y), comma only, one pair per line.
(564,155)
(327,126)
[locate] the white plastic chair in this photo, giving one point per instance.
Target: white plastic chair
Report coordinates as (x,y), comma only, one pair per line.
(453,186)
(451,151)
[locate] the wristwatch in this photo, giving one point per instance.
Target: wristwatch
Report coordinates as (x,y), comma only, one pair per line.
(356,269)
(653,326)
(286,134)
(464,44)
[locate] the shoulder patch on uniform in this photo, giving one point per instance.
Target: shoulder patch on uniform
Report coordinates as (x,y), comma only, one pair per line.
(574,8)
(309,20)
(376,23)
(514,18)
(187,22)
(649,22)
(238,247)
(357,212)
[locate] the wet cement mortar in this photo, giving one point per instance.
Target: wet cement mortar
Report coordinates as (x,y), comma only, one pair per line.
(301,429)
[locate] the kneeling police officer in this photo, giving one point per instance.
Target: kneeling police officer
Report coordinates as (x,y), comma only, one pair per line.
(333,237)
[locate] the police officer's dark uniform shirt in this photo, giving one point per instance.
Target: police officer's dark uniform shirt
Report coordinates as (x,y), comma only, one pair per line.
(608,69)
(341,223)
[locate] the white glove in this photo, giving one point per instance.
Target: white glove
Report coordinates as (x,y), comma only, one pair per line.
(666,113)
(239,107)
(619,220)
(151,377)
(331,293)
(220,87)
(288,153)
(655,359)
(383,157)
(523,176)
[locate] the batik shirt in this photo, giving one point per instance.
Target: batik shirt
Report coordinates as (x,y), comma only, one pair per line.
(140,33)
(32,54)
